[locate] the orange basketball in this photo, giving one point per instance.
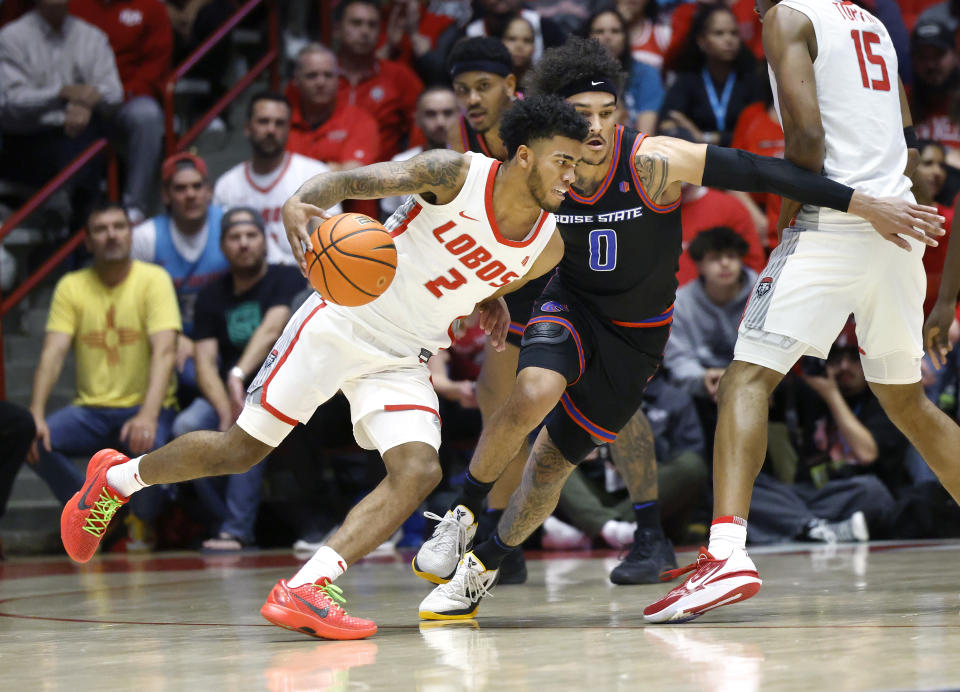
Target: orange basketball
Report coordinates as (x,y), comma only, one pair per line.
(352,261)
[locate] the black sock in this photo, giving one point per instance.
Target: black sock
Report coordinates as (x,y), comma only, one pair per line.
(648,515)
(493,551)
(472,495)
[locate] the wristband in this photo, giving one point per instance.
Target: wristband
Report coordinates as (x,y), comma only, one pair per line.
(235,371)
(910,137)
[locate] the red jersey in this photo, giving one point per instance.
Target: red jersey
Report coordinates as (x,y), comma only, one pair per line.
(758,133)
(140,36)
(389,94)
(716,208)
(349,134)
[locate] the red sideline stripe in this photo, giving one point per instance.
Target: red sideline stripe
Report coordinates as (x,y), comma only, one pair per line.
(412,407)
(263,399)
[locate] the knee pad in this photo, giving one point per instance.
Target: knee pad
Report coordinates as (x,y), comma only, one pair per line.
(544,333)
(574,442)
(898,367)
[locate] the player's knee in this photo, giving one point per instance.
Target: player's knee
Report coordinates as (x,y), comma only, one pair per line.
(416,464)
(535,394)
(741,376)
(905,404)
(238,452)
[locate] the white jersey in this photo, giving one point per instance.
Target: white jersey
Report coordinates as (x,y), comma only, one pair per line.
(240,186)
(449,258)
(859,98)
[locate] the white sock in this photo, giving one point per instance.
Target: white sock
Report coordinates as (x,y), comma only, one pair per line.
(125,477)
(326,562)
(726,535)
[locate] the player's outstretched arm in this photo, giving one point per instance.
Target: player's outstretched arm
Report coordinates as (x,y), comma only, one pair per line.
(437,175)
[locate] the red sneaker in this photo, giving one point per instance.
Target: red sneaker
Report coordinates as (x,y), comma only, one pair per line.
(86,516)
(314,609)
(714,583)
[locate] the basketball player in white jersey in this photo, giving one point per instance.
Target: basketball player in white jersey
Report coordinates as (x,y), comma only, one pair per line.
(271,175)
(473,229)
(834,73)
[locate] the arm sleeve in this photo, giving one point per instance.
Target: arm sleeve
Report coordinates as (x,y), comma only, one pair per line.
(63,313)
(161,301)
(733,169)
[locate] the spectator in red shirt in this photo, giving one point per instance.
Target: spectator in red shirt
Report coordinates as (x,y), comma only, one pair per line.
(142,42)
(702,208)
(929,179)
(322,126)
(649,36)
(386,90)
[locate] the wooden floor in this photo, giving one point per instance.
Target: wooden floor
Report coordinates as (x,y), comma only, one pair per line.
(878,617)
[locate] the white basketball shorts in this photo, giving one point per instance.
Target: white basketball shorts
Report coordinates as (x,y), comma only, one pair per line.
(323,350)
(815,279)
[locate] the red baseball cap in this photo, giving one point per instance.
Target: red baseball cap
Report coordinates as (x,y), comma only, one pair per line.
(179,161)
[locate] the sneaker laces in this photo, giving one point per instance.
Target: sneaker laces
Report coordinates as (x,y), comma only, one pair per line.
(467,582)
(101,513)
(334,592)
(445,536)
(672,574)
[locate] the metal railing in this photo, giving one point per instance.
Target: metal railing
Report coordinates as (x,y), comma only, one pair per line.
(269,60)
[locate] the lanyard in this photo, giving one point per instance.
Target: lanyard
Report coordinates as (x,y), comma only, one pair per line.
(719,105)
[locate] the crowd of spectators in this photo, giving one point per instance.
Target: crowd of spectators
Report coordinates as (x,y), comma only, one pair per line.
(191,279)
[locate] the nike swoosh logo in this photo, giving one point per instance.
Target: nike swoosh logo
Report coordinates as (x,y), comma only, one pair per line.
(468,217)
(696,581)
(82,504)
(322,612)
(593,83)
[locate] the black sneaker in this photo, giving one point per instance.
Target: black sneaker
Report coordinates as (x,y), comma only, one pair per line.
(513,569)
(650,554)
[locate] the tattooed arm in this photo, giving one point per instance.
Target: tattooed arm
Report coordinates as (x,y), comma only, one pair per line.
(437,175)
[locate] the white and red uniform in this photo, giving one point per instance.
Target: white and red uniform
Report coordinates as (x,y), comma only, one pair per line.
(831,264)
(242,187)
(449,258)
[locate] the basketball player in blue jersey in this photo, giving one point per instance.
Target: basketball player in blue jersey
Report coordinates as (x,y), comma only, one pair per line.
(481,71)
(597,332)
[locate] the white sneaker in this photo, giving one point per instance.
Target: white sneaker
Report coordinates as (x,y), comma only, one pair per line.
(459,598)
(618,534)
(853,529)
(714,583)
(558,535)
(438,557)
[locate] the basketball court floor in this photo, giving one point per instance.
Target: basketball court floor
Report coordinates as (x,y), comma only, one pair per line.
(877,617)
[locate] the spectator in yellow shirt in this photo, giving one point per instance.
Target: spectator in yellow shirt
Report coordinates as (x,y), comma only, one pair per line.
(121,318)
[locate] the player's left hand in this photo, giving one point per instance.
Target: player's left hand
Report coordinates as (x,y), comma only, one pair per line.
(138,433)
(495,321)
(296,221)
(896,219)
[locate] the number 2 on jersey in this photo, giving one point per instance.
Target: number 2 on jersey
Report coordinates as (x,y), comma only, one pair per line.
(603,250)
(863,42)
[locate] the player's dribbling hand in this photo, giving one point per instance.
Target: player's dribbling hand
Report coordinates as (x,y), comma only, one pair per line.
(296,222)
(893,218)
(495,321)
(935,333)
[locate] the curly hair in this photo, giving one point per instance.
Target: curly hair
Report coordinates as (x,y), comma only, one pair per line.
(540,117)
(576,60)
(480,48)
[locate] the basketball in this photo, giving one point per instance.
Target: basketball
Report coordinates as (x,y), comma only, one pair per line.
(352,261)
